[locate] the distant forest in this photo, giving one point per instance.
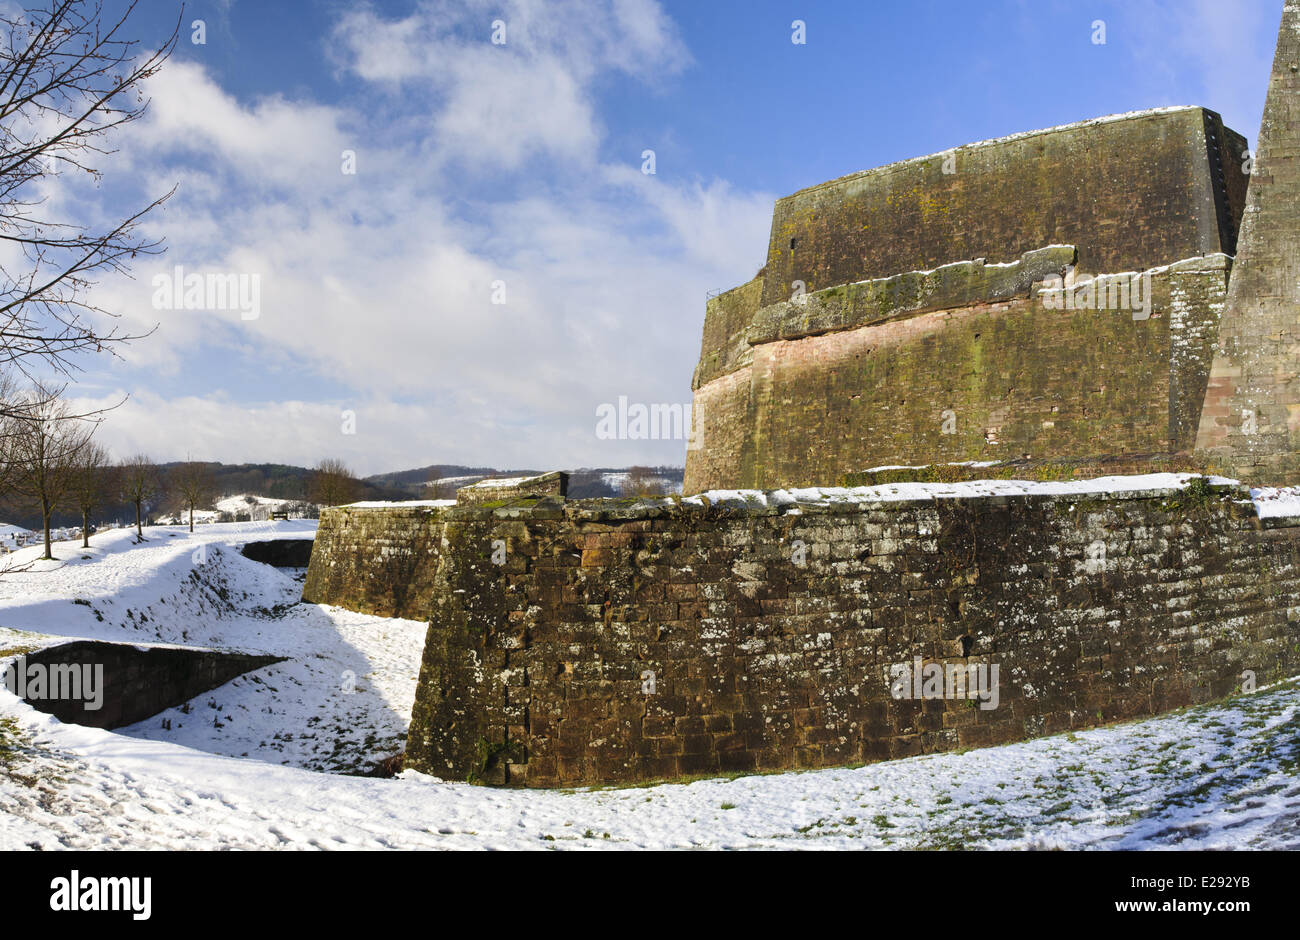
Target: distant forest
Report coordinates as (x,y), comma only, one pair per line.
(282,481)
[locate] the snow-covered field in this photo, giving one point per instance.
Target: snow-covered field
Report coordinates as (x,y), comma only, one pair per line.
(244,766)
(340,702)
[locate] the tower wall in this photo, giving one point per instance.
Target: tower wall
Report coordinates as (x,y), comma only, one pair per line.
(1251,418)
(899,320)
(1131,191)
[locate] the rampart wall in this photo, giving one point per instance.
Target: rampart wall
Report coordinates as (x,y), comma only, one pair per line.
(603,641)
(966,363)
(1131,191)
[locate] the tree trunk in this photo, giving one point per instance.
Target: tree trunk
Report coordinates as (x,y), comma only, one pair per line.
(85,528)
(191,518)
(45,523)
(139,530)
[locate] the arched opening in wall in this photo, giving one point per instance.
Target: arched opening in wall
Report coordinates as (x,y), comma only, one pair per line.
(967,644)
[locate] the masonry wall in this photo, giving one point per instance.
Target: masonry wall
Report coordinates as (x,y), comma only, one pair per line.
(628,641)
(377,560)
(816,395)
(1251,420)
(1132,193)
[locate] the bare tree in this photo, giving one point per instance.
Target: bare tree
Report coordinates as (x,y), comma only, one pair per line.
(642,481)
(93,482)
(140,482)
(69,78)
(45,442)
(332,484)
(194,485)
(442,491)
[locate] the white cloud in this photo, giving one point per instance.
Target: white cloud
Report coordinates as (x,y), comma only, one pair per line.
(276,141)
(501,104)
(377,288)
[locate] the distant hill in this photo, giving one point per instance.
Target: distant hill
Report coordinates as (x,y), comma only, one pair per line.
(277,481)
(440,481)
(288,482)
(404,478)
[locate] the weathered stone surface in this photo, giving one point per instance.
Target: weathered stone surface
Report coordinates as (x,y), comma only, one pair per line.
(538,487)
(1251,420)
(1132,192)
(962,284)
(377,560)
(917,335)
(618,644)
(1002,380)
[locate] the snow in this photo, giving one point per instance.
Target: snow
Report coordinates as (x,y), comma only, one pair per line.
(454,480)
(242,501)
(618,482)
(1136,485)
(242,767)
(503,481)
(1211,778)
(341,700)
(407,504)
(1277,502)
(201,517)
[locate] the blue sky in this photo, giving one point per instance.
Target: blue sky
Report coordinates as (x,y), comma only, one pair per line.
(520,165)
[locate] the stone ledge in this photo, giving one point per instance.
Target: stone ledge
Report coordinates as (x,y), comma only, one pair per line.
(962,284)
(842,500)
(547,485)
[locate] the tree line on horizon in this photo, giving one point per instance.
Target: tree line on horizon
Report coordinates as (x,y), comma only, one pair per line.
(50,460)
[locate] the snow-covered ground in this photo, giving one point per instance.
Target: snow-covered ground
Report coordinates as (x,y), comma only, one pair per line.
(242,766)
(342,699)
(242,502)
(1276,502)
(1215,777)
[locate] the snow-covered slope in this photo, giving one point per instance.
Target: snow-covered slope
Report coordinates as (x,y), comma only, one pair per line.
(1215,777)
(341,701)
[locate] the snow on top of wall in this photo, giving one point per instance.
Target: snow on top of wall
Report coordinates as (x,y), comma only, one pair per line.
(902,492)
(407,504)
(494,483)
(470,478)
(1270,502)
(1274,502)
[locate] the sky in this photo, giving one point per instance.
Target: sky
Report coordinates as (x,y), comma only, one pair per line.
(458,254)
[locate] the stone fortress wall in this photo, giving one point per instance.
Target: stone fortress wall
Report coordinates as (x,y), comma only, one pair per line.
(1251,420)
(576,642)
(603,641)
(899,317)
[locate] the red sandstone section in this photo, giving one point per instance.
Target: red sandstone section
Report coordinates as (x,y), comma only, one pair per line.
(994,381)
(1251,418)
(620,643)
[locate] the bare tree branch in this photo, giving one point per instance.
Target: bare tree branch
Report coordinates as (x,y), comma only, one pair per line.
(69,78)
